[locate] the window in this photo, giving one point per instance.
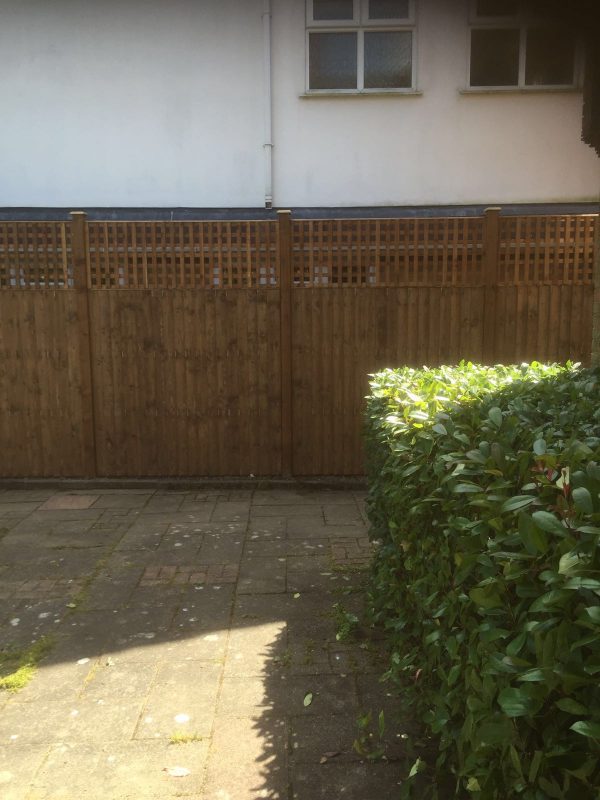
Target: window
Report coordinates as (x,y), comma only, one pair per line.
(360,45)
(521,44)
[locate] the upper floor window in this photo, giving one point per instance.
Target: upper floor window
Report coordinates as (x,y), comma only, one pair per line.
(360,45)
(522,44)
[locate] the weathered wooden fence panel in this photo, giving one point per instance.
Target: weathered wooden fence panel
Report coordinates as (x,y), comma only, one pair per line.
(45,410)
(241,347)
(187,382)
(340,336)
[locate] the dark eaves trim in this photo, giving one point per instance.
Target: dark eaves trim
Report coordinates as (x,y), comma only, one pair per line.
(330,212)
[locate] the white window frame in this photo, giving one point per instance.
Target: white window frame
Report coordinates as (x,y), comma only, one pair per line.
(521,21)
(361,24)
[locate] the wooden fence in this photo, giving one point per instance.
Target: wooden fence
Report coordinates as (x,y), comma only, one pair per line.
(243,348)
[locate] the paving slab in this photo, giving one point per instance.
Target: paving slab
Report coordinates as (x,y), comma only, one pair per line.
(69,501)
(194,646)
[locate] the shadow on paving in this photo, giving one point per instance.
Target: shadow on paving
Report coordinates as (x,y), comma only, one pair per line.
(197,617)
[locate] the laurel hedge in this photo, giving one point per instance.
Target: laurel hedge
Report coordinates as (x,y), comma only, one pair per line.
(484,498)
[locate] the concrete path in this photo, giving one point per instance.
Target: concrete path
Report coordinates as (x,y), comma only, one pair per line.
(193,648)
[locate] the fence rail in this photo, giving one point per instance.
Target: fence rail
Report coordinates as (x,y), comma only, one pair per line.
(243,347)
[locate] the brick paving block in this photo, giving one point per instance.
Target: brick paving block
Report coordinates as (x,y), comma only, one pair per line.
(68,501)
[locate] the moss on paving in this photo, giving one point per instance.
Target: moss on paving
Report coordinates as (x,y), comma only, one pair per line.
(17,667)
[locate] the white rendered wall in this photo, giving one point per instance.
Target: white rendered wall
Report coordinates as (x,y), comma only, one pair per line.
(131,103)
(439,148)
(160,103)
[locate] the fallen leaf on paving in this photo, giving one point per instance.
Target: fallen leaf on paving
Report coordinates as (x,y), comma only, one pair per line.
(297,595)
(177,772)
(326,756)
(308,699)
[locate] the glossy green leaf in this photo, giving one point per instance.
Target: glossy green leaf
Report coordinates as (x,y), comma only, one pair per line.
(466,488)
(548,522)
(569,562)
(583,500)
(516,702)
(589,729)
(495,414)
(485,598)
(570,706)
(517,503)
(583,583)
(535,765)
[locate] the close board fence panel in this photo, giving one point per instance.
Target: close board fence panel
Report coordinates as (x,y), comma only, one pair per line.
(237,348)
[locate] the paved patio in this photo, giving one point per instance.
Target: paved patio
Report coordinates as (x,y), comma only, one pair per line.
(193,646)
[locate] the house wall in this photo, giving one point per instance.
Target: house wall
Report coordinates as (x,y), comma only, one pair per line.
(439,147)
(130,103)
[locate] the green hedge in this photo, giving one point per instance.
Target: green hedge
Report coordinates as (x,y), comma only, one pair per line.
(485,498)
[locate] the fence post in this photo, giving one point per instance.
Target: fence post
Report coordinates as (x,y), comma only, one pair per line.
(285,311)
(491,253)
(79,260)
(596,301)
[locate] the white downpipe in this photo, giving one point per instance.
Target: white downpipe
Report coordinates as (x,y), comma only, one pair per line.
(268,113)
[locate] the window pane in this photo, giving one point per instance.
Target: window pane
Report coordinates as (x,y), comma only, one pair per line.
(333,9)
(497,8)
(549,57)
(388,60)
(332,61)
(495,57)
(388,9)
